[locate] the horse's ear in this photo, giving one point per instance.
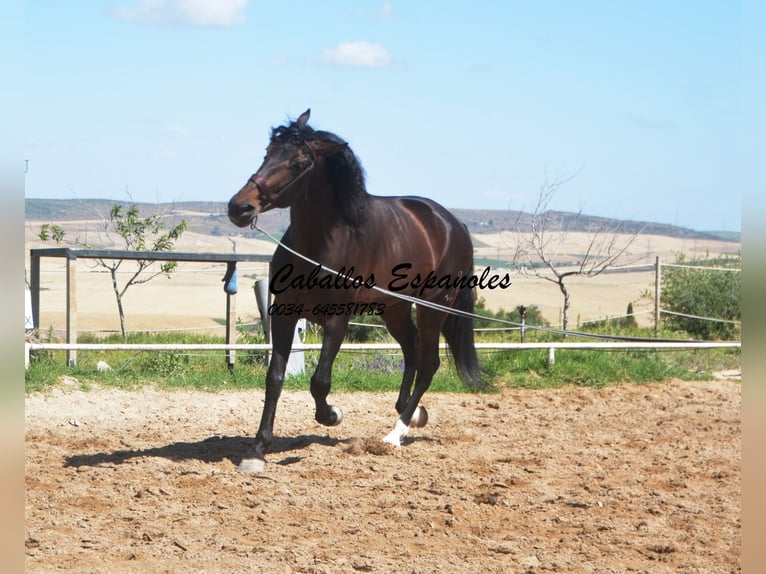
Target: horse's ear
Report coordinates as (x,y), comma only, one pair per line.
(326,149)
(304,118)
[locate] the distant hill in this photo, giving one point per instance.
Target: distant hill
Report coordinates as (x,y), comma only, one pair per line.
(209,217)
(76,209)
(489,221)
(726,235)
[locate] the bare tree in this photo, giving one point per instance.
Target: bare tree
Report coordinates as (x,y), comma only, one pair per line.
(542,235)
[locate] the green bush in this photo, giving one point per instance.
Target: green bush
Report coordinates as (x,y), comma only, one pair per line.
(705,293)
(533,318)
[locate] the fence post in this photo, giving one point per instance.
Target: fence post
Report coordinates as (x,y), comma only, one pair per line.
(296,362)
(261,288)
(230,287)
(523,315)
(71,307)
(34,288)
(231,327)
(657,286)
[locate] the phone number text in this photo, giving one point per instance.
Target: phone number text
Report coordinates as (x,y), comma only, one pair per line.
(327,309)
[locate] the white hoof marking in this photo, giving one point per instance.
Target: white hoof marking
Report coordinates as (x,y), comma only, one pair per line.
(251,465)
(338,414)
(395,436)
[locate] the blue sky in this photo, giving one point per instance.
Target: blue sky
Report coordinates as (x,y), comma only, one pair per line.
(473,104)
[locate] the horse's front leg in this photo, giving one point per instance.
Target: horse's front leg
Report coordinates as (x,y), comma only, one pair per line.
(334,331)
(282,329)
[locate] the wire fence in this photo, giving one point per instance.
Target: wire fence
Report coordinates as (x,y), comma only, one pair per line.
(260,267)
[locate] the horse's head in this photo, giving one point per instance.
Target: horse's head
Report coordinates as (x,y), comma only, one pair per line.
(292,154)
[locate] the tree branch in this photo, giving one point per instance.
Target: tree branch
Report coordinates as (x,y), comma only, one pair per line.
(546,240)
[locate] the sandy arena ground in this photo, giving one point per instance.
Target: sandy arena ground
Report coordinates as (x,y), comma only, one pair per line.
(630,478)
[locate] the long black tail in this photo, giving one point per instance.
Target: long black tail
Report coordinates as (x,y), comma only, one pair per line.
(458,331)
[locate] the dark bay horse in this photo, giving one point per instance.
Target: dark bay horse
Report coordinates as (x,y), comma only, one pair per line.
(407,245)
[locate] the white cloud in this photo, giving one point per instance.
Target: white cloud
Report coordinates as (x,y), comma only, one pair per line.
(362,54)
(213,13)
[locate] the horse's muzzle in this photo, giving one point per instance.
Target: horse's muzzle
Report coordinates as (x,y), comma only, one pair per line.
(241,214)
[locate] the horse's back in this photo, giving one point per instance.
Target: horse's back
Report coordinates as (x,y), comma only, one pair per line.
(404,238)
(422,207)
(435,220)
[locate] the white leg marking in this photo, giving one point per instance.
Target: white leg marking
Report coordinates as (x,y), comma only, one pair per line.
(338,414)
(395,436)
(251,465)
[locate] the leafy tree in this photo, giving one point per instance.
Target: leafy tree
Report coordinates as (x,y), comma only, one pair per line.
(698,290)
(135,233)
(138,234)
(52,231)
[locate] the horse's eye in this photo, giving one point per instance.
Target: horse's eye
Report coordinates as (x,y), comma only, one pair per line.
(279,134)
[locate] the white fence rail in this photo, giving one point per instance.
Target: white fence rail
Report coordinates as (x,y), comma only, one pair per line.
(551,346)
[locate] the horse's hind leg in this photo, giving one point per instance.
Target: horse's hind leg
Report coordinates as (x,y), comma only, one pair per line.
(334,330)
(398,320)
(429,326)
(282,330)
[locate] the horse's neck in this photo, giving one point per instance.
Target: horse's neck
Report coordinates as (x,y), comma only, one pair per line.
(314,225)
(316,221)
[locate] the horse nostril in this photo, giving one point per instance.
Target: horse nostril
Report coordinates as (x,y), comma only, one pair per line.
(239,210)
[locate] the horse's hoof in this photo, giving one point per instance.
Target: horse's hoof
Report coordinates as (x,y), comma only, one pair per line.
(251,465)
(394,438)
(419,417)
(336,416)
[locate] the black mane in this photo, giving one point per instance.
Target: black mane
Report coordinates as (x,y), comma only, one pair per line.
(344,168)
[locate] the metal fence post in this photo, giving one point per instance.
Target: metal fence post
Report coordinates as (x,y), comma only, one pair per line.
(657,286)
(71,307)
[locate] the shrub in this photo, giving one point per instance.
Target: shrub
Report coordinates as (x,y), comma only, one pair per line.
(708,293)
(533,317)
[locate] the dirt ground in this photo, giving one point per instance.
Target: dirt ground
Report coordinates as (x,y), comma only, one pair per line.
(630,478)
